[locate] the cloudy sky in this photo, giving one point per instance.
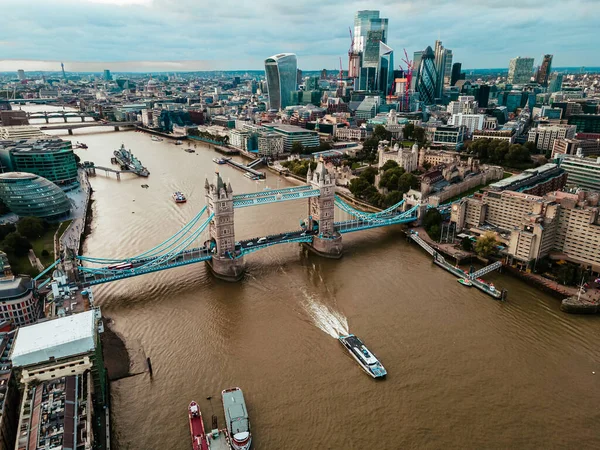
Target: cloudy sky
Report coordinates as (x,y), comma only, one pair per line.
(170,35)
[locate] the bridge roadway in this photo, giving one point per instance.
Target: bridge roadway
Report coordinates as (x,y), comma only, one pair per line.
(89,276)
(73,126)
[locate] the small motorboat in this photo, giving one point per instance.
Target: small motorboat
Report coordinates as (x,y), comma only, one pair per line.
(156,139)
(178,142)
(465,282)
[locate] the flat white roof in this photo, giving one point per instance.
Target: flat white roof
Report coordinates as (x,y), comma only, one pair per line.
(57,338)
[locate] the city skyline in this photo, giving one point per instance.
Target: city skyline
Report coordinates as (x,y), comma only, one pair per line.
(153,35)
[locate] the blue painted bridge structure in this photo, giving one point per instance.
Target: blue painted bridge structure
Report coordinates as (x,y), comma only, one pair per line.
(210,235)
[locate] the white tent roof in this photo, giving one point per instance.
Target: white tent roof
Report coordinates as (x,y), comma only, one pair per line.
(58,338)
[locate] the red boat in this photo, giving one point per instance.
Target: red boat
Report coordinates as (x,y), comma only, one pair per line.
(199,440)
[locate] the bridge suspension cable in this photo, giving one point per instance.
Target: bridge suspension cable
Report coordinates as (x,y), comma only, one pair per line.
(163,246)
(366,215)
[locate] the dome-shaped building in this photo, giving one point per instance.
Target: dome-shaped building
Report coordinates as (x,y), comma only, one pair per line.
(26,194)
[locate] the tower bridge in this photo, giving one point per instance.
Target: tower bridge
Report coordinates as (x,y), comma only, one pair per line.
(210,235)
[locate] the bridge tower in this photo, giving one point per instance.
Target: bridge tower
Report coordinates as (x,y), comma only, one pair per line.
(226,263)
(327,242)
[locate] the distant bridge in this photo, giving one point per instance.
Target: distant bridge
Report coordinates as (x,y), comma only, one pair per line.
(74,126)
(47,115)
(210,235)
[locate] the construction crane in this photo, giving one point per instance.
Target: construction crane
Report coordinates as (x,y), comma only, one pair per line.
(353,58)
(408,74)
(340,90)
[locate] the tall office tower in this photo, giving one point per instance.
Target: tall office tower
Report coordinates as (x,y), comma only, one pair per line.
(21,74)
(427,77)
(555,84)
(416,65)
(441,56)
(544,70)
(299,77)
(281,72)
(370,62)
(365,21)
(448,69)
(385,71)
(107,75)
(520,70)
(456,68)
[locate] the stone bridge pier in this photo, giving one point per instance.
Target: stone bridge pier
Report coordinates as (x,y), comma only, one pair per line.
(225,263)
(327,242)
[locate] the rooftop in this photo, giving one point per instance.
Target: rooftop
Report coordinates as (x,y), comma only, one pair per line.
(58,338)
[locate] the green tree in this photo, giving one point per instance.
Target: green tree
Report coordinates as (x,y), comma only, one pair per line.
(389,164)
(5,229)
(486,245)
(432,217)
(392,198)
(406,182)
(358,186)
(380,133)
(369,174)
(530,146)
(31,227)
(408,130)
(16,244)
(434,232)
(466,244)
(419,135)
(297,148)
(426,165)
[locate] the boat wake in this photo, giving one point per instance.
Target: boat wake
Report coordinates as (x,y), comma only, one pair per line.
(332,322)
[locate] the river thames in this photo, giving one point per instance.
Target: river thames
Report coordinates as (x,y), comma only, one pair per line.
(464,370)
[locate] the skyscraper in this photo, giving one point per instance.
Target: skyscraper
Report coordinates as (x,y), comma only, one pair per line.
(21,74)
(443,67)
(281,72)
(448,69)
(544,70)
(520,70)
(456,68)
(555,84)
(385,70)
(416,66)
(427,77)
(107,75)
(365,21)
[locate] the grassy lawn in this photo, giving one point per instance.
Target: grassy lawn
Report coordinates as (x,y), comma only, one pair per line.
(507,175)
(46,242)
(21,265)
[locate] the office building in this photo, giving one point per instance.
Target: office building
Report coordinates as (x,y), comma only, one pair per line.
(107,75)
(586,123)
(365,21)
(281,72)
(520,70)
(292,133)
(270,144)
(16,133)
(536,181)
(544,135)
(544,70)
(583,172)
(443,67)
(9,391)
(21,74)
(417,57)
(456,68)
(52,159)
(588,147)
(13,118)
(555,83)
(473,122)
(427,77)
(17,301)
(64,383)
(450,136)
(385,69)
(27,194)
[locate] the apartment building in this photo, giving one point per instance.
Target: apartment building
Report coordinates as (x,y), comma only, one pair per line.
(544,136)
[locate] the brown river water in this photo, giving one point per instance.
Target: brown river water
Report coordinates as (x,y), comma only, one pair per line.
(464,370)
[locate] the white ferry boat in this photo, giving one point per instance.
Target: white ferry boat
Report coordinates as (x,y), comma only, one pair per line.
(367,360)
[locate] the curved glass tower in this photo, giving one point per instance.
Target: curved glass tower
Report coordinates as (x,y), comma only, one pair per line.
(27,194)
(281,71)
(427,77)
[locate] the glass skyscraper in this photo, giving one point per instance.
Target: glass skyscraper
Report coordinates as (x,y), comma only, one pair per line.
(386,68)
(427,77)
(281,72)
(520,70)
(365,21)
